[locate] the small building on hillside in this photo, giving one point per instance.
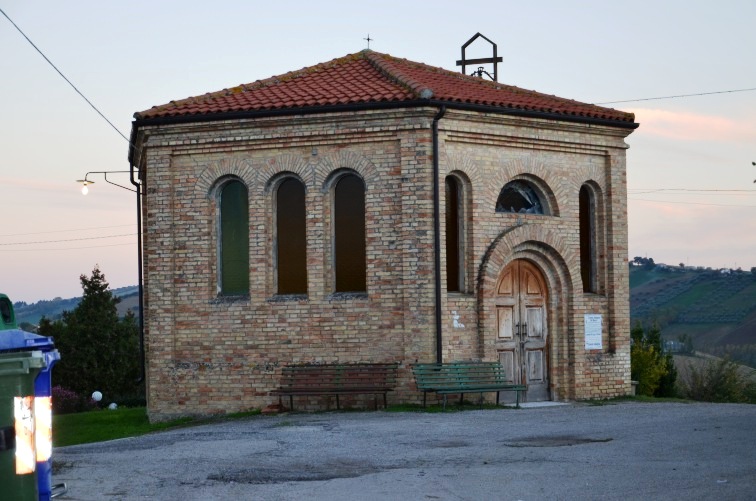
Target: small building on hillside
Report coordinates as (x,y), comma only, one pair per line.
(377,209)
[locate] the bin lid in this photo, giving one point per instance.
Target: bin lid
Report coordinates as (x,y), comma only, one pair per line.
(19,340)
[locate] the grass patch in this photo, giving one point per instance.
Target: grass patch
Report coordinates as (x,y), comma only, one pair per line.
(102,425)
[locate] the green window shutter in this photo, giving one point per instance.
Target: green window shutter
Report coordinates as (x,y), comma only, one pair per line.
(234,239)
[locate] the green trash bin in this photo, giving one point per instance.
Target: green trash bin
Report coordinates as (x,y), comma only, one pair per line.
(18,476)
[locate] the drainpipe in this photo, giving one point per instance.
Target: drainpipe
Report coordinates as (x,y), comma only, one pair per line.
(437,232)
(138,186)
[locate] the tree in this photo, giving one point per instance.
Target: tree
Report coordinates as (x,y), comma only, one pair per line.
(649,365)
(646,262)
(98,350)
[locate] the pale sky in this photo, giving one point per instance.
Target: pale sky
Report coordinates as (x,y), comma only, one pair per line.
(128,56)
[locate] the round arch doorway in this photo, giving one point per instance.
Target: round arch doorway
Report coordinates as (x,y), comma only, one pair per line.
(522,342)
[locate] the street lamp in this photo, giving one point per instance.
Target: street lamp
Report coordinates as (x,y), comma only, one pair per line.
(138,190)
(86,181)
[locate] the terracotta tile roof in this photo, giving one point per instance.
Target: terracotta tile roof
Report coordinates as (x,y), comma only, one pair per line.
(370,77)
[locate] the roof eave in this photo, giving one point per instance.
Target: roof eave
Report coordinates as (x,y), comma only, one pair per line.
(383,105)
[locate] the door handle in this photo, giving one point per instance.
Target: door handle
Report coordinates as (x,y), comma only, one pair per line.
(524,329)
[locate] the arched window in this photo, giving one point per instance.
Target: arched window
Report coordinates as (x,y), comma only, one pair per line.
(233,239)
(291,237)
(586,200)
(455,242)
(349,235)
(519,197)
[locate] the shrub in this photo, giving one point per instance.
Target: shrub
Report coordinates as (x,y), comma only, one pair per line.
(719,380)
(653,369)
(65,401)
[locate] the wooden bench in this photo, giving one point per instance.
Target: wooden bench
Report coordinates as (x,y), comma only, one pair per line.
(337,379)
(463,377)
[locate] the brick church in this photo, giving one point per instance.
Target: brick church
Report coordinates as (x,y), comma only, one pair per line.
(372,208)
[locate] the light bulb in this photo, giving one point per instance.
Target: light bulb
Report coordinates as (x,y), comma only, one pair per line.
(84,190)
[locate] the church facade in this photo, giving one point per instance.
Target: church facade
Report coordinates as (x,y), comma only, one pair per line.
(374,209)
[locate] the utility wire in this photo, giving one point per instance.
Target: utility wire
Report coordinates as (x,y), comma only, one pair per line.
(59,249)
(65,231)
(674,97)
(648,190)
(69,239)
(64,77)
(684,192)
(688,203)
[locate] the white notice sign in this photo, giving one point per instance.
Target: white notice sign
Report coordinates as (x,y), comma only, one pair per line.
(593,332)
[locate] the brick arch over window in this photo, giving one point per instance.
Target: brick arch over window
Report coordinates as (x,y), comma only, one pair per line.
(328,164)
(527,194)
(531,169)
(546,250)
(286,165)
(239,167)
(456,162)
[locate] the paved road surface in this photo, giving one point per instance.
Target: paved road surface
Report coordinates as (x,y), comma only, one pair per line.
(577,451)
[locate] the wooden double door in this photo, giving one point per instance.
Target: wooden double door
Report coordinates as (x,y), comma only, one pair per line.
(522,337)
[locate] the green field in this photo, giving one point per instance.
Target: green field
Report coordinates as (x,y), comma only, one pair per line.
(714,309)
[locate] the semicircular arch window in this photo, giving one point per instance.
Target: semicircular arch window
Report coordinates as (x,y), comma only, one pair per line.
(519,197)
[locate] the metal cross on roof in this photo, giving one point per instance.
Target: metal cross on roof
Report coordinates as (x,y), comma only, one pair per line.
(369,40)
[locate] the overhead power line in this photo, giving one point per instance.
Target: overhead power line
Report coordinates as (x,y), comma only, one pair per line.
(680,95)
(690,192)
(60,249)
(688,203)
(65,231)
(68,240)
(64,77)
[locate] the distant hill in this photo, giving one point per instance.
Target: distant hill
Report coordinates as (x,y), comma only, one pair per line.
(715,308)
(53,308)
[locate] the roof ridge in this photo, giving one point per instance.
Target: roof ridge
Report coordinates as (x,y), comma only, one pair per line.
(392,72)
(495,85)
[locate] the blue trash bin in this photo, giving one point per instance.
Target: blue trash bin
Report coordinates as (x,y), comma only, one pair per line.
(16,340)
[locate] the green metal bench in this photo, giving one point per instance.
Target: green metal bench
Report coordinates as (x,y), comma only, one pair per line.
(337,379)
(463,377)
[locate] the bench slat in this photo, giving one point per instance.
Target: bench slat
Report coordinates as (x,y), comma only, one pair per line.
(337,379)
(463,377)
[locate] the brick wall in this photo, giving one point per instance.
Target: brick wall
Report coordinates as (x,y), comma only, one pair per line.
(209,354)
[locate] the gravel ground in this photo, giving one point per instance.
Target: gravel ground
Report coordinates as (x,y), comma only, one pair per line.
(577,451)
